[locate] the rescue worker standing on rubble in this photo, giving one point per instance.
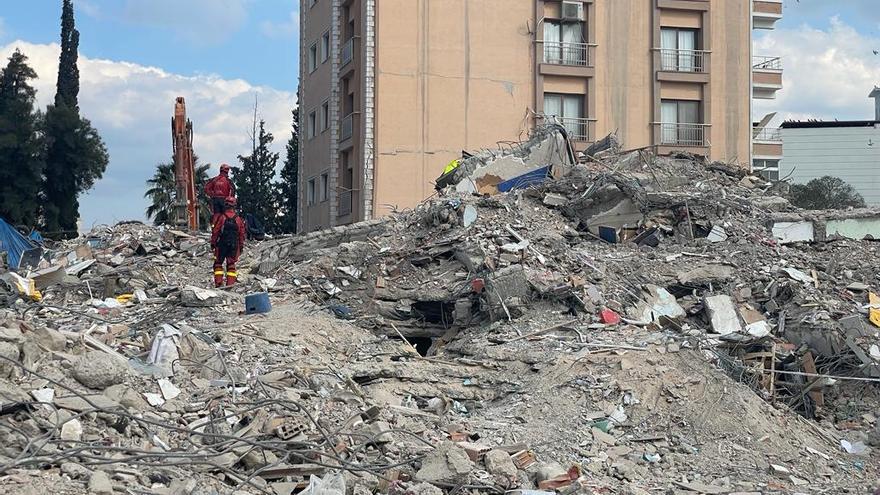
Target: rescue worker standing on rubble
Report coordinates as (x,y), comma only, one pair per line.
(227,240)
(218,189)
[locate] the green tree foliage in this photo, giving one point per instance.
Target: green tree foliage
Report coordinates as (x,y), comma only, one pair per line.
(826,193)
(21,147)
(288,187)
(75,153)
(162,189)
(254,179)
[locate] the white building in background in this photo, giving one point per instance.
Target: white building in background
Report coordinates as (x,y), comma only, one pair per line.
(848,149)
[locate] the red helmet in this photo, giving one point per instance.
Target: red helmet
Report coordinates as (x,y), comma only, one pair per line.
(224,168)
(231,201)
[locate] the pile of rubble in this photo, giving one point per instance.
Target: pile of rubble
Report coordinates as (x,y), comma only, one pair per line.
(630,325)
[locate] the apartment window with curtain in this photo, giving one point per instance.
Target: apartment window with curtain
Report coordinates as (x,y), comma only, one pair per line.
(679,52)
(680,123)
(564,43)
(569,110)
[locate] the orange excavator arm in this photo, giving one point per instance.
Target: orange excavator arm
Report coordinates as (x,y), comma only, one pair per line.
(186,200)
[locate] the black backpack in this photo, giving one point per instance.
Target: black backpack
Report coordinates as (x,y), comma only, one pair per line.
(228,242)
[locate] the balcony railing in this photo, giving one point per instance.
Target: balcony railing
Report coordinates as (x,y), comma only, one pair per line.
(766,63)
(674,60)
(347,52)
(347,127)
(682,134)
(578,129)
(773,135)
(345,203)
(562,53)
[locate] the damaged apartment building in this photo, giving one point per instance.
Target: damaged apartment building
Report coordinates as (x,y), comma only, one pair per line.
(392,91)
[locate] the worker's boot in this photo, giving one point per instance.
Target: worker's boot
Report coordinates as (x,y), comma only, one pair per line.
(218,277)
(231,276)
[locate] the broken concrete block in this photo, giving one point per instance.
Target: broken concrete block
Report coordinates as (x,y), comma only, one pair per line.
(424,489)
(791,232)
(498,462)
(98,370)
(72,431)
(196,297)
(657,303)
(448,462)
(9,351)
(553,199)
(705,275)
(100,483)
(48,338)
(722,314)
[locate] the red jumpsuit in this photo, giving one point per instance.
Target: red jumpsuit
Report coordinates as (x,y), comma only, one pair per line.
(218,189)
(227,247)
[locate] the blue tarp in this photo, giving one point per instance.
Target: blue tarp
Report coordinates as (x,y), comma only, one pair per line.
(12,243)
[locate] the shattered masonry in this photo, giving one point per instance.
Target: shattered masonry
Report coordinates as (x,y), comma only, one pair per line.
(630,324)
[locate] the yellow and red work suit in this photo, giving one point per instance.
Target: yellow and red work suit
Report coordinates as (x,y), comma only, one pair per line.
(227,239)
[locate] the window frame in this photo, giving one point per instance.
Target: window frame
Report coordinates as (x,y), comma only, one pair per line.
(310,192)
(325,116)
(325,47)
(325,187)
(313,57)
(312,124)
(770,165)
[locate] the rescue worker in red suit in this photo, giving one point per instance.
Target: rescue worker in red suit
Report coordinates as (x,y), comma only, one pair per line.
(218,189)
(227,239)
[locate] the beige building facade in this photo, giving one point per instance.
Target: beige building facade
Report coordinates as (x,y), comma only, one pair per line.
(392,90)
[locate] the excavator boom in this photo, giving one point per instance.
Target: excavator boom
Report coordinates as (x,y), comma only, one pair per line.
(186,204)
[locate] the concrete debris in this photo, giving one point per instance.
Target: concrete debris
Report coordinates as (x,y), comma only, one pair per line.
(480,343)
(98,370)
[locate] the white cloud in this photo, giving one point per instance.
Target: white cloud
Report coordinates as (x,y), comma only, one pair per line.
(827,73)
(131,106)
(286,29)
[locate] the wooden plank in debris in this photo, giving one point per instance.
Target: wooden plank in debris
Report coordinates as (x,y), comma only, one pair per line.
(810,367)
(291,470)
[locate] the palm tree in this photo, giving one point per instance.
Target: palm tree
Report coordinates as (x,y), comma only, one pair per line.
(161,194)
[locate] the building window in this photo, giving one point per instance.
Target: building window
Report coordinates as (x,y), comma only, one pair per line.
(768,169)
(313,124)
(678,50)
(325,47)
(564,43)
(310,192)
(569,111)
(313,57)
(325,187)
(680,123)
(312,3)
(325,116)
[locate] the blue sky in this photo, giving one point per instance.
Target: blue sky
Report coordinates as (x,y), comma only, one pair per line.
(255,40)
(137,55)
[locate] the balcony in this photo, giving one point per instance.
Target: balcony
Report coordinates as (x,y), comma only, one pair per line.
(766,77)
(767,135)
(347,127)
(347,52)
(767,143)
(683,135)
(765,13)
(674,60)
(572,54)
(578,129)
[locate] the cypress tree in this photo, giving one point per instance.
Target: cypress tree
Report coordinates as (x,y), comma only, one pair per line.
(254,179)
(76,156)
(288,187)
(21,153)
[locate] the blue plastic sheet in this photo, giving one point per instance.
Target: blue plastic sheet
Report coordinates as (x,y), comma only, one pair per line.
(13,244)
